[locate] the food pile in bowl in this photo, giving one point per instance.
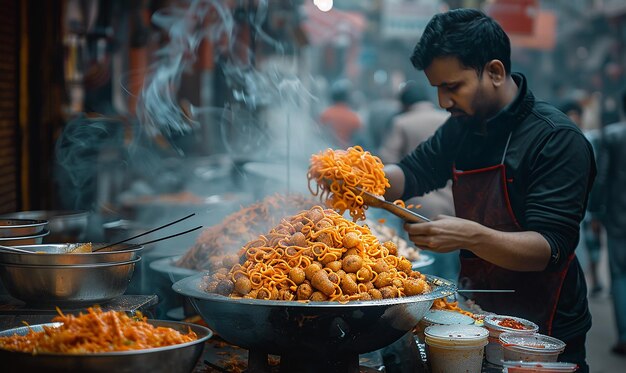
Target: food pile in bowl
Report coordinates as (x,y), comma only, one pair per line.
(96,332)
(318,255)
(217,244)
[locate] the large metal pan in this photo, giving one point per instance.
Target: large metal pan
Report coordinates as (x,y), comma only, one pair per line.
(175,358)
(313,331)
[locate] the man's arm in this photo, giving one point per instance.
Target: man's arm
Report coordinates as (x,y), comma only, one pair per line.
(517,251)
(395,175)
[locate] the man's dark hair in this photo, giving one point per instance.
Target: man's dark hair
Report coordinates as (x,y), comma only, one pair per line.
(467,34)
(340,90)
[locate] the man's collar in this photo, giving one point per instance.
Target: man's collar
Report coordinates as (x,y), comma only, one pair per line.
(517,110)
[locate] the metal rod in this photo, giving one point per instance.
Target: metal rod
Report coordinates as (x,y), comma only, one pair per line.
(150,231)
(153,241)
(485,291)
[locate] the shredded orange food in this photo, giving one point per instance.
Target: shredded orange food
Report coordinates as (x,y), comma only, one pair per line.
(337,172)
(96,332)
(319,255)
(443,304)
(216,246)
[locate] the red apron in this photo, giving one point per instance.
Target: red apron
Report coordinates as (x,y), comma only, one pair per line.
(481,195)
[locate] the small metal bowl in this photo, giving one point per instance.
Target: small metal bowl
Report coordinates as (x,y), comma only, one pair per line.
(60,254)
(64,225)
(167,266)
(35,239)
(177,358)
(69,285)
(15,228)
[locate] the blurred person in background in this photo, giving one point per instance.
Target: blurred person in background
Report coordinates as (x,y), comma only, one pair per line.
(521,173)
(608,204)
(340,121)
(591,229)
(417,122)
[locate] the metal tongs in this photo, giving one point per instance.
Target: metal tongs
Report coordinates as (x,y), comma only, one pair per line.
(380,202)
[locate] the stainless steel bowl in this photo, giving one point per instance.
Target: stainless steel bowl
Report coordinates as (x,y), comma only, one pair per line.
(59,254)
(34,239)
(315,329)
(70,285)
(10,228)
(176,358)
(167,266)
(64,225)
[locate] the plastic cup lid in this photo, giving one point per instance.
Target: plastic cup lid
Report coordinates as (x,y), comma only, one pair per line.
(492,322)
(537,343)
(540,366)
(447,318)
(456,332)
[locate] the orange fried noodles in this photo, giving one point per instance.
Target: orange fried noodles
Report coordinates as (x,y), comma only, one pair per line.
(318,255)
(443,304)
(337,172)
(96,332)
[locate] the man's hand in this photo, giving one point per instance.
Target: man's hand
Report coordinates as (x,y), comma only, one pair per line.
(444,234)
(517,251)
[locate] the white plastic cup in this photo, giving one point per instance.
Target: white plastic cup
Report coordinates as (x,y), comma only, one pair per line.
(441,317)
(535,347)
(493,351)
(455,348)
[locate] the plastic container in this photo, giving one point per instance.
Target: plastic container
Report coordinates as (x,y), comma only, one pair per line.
(535,347)
(455,348)
(525,367)
(441,317)
(493,351)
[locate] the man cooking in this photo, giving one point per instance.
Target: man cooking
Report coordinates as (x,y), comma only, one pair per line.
(521,173)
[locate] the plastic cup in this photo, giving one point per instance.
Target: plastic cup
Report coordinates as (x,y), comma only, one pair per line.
(493,352)
(441,317)
(455,348)
(535,347)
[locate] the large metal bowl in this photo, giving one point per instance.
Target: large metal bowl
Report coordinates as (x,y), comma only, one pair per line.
(167,267)
(176,358)
(71,285)
(64,225)
(308,332)
(35,239)
(59,254)
(11,228)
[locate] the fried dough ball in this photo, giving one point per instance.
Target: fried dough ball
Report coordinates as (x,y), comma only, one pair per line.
(230,260)
(383,279)
(318,297)
(352,263)
(334,266)
(364,274)
(225,287)
(389,292)
(392,247)
(243,285)
(353,251)
(298,239)
(297,275)
(321,282)
(311,269)
(413,286)
(375,294)
(380,266)
(304,291)
(334,278)
(350,240)
(405,266)
(348,285)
